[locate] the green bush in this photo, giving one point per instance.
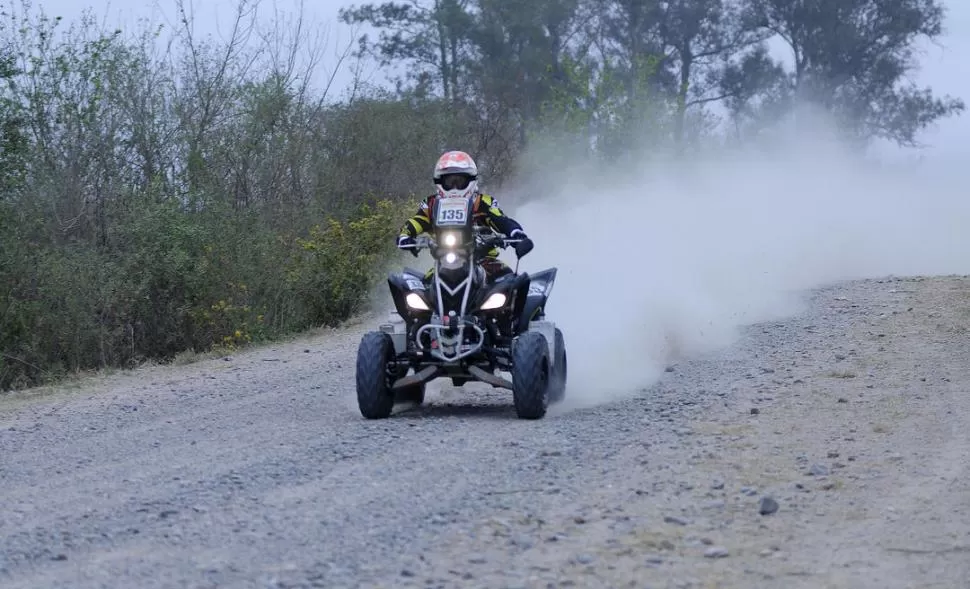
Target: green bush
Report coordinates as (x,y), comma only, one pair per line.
(181,282)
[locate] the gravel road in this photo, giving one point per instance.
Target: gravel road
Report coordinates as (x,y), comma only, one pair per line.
(849,426)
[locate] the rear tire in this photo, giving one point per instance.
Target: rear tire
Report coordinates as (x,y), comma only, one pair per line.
(375,399)
(530,375)
(557,388)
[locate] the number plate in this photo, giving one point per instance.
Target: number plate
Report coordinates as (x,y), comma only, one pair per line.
(451,212)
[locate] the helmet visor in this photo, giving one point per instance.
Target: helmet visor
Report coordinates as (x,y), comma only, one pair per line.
(455,181)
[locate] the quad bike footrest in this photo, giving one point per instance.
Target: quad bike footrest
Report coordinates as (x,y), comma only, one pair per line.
(419,377)
(492,379)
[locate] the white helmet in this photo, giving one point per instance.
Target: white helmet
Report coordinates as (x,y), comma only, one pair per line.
(455,174)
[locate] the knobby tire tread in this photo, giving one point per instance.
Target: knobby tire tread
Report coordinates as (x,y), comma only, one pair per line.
(530,388)
(374,397)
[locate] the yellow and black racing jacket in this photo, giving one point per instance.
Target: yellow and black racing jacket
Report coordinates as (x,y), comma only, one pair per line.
(485,212)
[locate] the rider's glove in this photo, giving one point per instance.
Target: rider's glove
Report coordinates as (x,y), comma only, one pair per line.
(407,242)
(525,245)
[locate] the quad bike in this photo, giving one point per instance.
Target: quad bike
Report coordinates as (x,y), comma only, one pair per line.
(456,325)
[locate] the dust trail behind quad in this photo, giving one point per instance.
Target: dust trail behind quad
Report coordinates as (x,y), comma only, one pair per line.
(663,258)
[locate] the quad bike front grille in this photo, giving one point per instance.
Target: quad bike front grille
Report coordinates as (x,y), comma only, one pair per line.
(448,342)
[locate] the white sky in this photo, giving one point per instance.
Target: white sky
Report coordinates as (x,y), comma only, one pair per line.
(946,67)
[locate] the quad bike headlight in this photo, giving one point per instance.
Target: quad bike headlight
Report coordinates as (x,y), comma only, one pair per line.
(414,301)
(452,260)
(495,301)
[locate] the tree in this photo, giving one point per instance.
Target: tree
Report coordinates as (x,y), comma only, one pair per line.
(430,36)
(643,67)
(520,49)
(851,56)
(703,34)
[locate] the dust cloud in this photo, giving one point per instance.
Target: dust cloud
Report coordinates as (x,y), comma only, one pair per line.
(663,259)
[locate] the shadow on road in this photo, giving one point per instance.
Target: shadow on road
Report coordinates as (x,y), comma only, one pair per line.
(457,409)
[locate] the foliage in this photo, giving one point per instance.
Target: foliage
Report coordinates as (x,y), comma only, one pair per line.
(339,262)
(660,68)
(852,57)
(150,206)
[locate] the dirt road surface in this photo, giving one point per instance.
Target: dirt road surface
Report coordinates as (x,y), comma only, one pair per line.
(849,425)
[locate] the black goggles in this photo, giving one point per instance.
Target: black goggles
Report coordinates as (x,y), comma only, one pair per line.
(455,181)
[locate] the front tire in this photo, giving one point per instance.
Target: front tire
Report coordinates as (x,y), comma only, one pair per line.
(530,375)
(375,399)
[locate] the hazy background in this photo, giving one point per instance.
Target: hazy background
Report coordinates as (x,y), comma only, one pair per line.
(215,17)
(946,66)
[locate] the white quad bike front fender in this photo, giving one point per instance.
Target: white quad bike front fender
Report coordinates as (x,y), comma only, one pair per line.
(548,331)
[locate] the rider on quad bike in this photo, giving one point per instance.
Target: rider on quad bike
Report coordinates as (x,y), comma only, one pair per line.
(456,175)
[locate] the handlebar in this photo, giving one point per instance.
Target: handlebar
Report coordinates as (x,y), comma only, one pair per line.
(490,240)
